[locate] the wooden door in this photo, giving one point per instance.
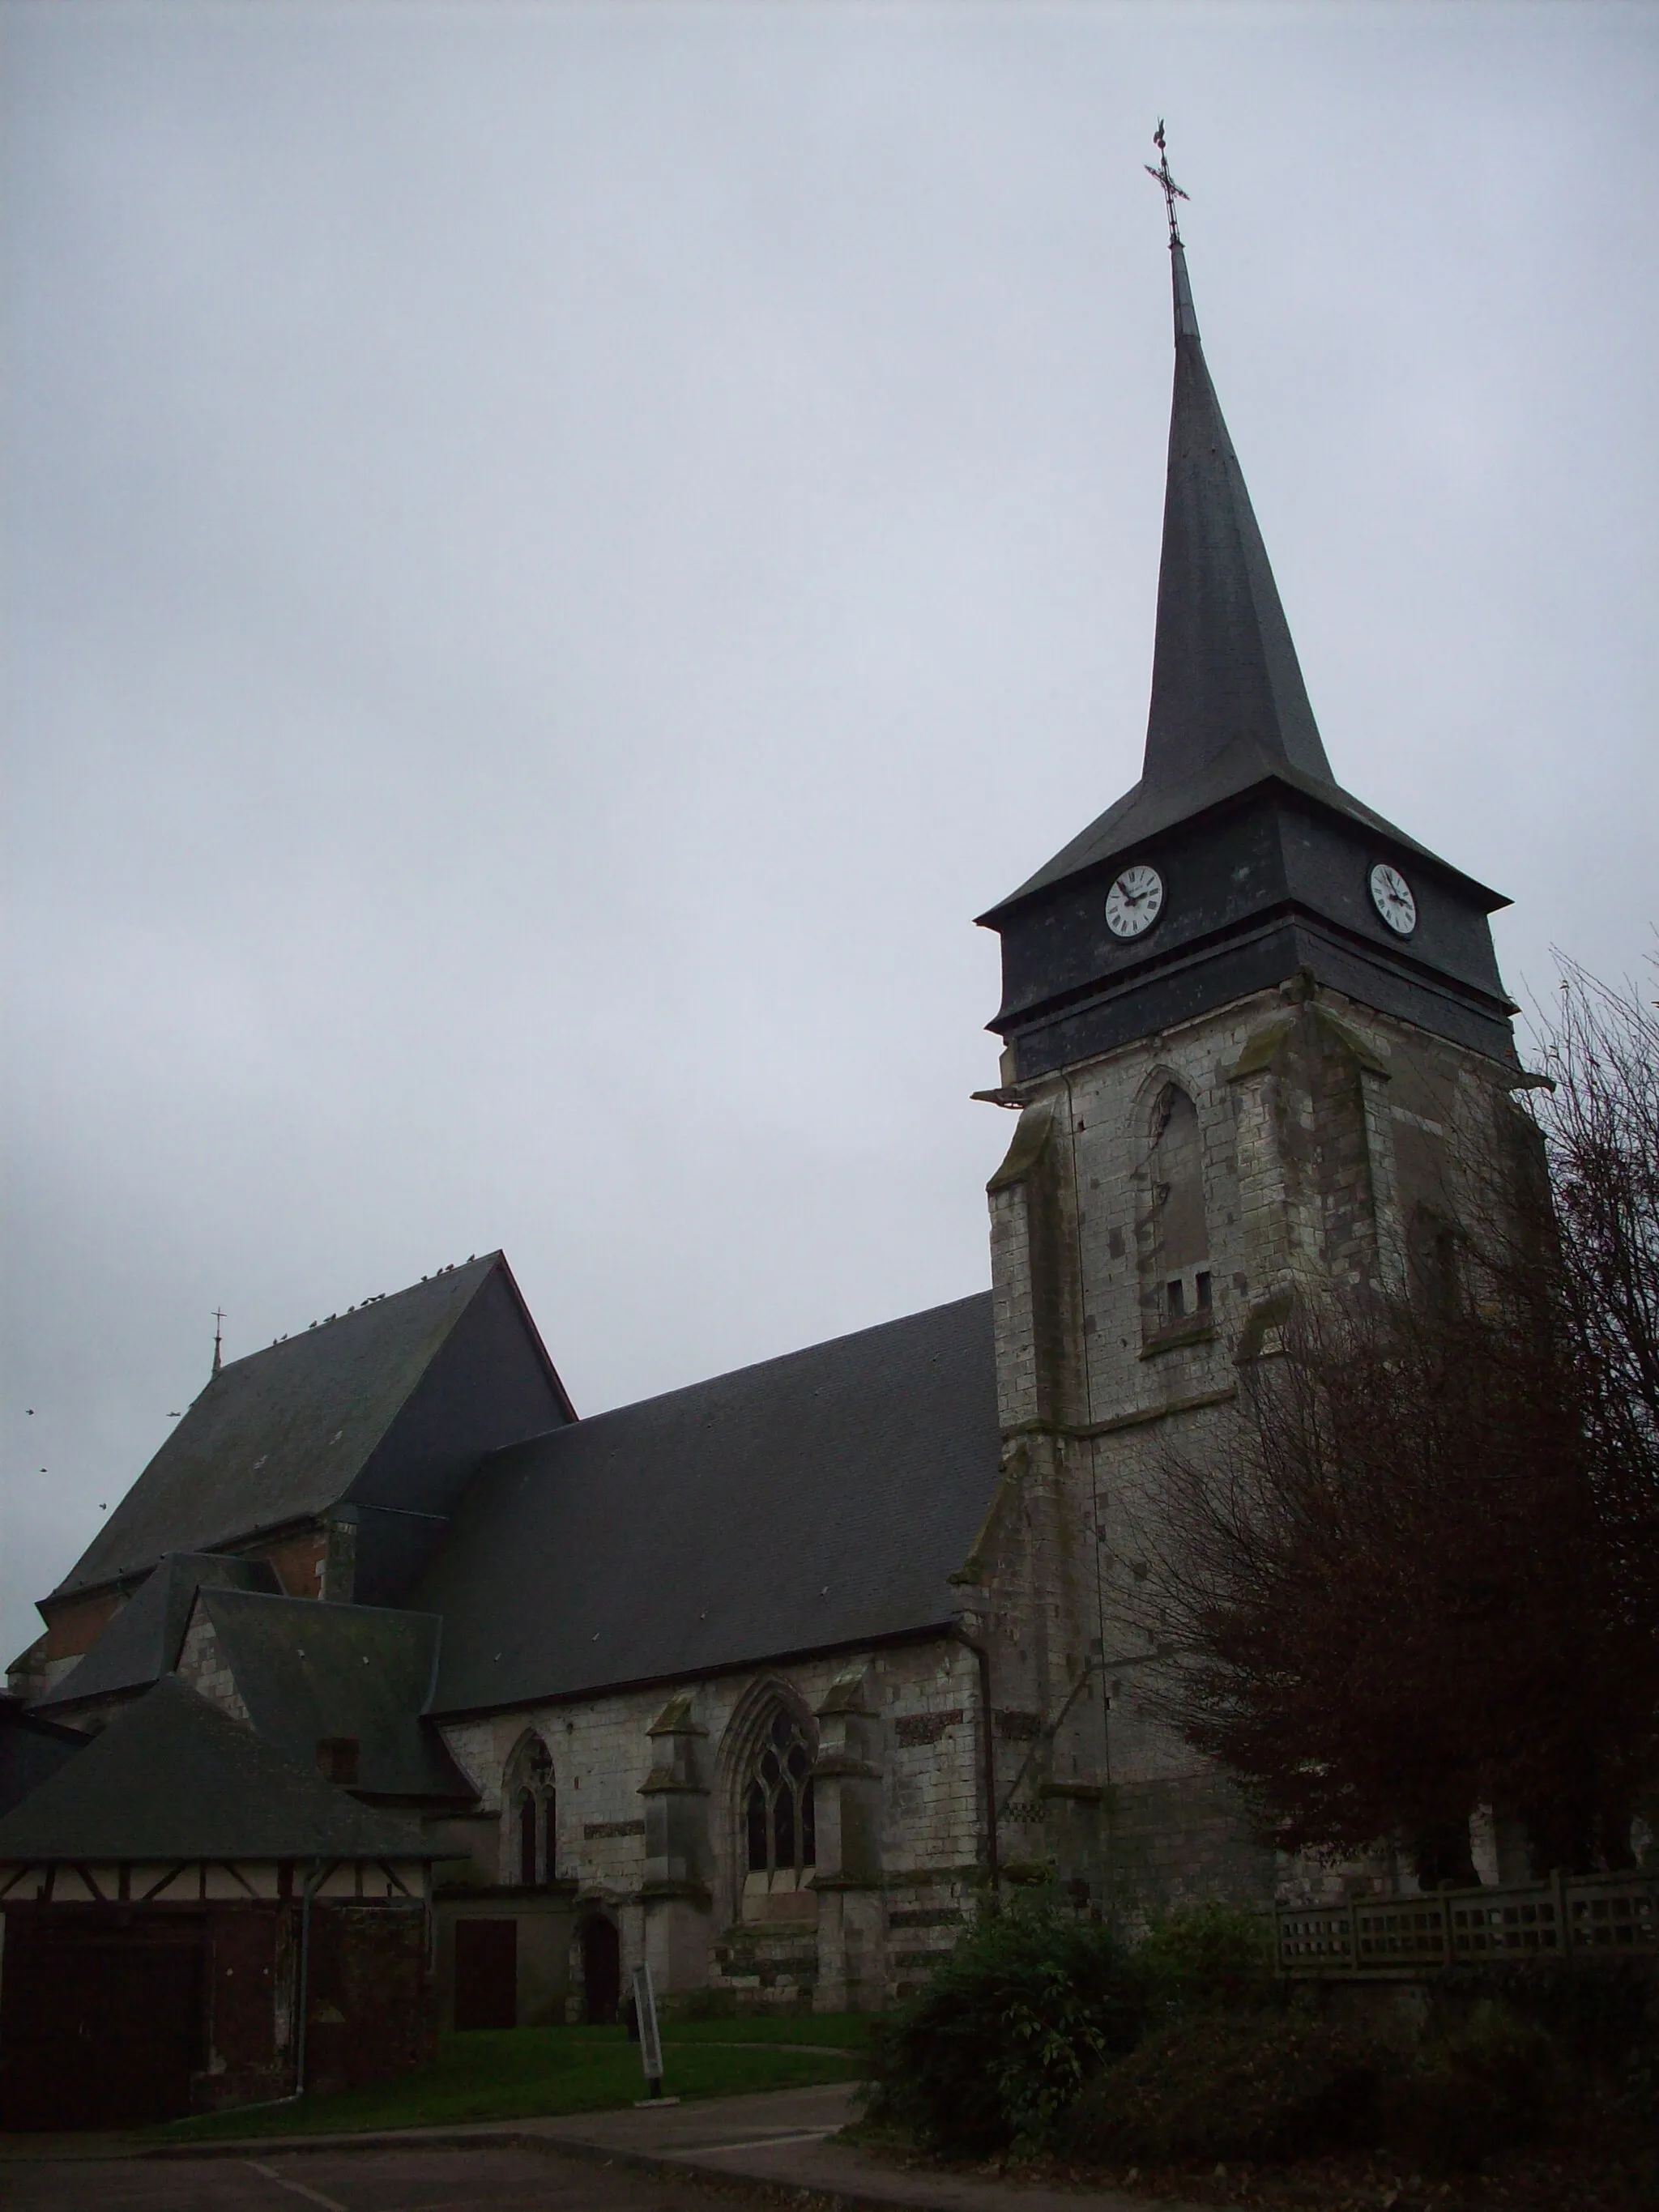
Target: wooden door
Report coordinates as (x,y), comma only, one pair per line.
(486,1974)
(97,2031)
(601,1972)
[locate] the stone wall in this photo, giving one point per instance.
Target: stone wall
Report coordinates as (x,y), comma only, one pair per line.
(1328,1136)
(202,1664)
(649,1809)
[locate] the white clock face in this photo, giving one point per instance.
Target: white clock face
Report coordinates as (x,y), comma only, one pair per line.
(1134,902)
(1391,894)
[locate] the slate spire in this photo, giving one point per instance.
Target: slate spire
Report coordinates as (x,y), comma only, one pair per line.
(1225,671)
(1264,862)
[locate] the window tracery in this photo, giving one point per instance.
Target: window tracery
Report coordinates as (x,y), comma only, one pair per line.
(531,1803)
(778,1835)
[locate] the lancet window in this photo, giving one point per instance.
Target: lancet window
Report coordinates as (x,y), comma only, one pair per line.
(531,1807)
(1181,1255)
(779,1832)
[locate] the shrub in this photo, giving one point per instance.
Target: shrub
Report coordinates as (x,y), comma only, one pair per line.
(1027,2007)
(1204,1956)
(1492,2082)
(1253,2085)
(1598,2011)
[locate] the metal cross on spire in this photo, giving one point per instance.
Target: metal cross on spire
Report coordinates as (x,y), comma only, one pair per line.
(218,1338)
(1161,176)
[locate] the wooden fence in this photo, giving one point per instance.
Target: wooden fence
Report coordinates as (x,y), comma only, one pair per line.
(1599,1915)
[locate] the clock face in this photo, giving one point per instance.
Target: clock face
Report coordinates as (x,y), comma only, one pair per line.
(1134,902)
(1391,894)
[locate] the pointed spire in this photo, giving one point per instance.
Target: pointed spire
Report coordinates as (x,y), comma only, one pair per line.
(1225,671)
(218,1338)
(1230,711)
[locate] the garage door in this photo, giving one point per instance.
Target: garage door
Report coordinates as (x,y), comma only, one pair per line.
(97,2034)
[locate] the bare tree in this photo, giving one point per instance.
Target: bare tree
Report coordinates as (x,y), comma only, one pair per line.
(1599,1120)
(1424,1572)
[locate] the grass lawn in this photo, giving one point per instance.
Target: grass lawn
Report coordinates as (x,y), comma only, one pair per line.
(521,2072)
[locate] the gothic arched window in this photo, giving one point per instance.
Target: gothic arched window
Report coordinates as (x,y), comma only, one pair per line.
(1181,1237)
(530,1845)
(778,1825)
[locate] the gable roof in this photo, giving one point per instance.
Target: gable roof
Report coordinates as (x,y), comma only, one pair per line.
(307,1671)
(812,1501)
(281,1435)
(142,1643)
(173,1778)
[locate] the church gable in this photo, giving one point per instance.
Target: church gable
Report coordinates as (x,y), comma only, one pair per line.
(397,1401)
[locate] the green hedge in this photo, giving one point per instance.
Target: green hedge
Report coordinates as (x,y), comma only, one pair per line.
(1030,2005)
(1041,2031)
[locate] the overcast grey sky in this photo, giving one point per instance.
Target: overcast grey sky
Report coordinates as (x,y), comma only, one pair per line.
(555,555)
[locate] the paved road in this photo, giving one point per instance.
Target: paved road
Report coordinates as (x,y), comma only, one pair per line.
(781,2139)
(485,2179)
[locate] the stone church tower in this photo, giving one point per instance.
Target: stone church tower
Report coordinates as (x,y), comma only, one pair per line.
(1243,1019)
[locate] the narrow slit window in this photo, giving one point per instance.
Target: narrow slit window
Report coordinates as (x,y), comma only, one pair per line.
(1175,1296)
(1202,1285)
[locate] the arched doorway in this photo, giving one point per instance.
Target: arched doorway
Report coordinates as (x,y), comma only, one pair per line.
(601,1972)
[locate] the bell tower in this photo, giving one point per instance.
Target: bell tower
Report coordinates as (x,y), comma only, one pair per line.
(1244,1019)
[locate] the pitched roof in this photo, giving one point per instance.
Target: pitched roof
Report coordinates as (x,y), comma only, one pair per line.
(142,1643)
(307,1671)
(32,1749)
(173,1778)
(1229,708)
(281,1435)
(815,1500)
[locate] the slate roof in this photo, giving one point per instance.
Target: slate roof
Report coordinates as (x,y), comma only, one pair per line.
(307,1670)
(31,1750)
(142,1643)
(173,1778)
(282,1434)
(815,1500)
(1230,709)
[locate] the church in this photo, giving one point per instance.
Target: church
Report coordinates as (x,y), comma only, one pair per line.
(767,1681)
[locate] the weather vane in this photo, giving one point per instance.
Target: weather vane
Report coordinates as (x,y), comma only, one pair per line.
(1161,176)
